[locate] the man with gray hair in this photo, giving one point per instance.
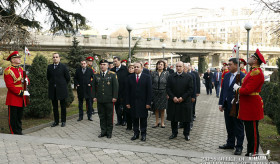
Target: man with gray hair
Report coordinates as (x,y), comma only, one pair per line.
(179,89)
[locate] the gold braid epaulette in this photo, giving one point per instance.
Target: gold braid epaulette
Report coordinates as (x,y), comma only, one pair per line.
(255,72)
(9,71)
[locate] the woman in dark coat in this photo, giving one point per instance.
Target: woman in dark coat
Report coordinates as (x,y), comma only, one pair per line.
(159,98)
(179,89)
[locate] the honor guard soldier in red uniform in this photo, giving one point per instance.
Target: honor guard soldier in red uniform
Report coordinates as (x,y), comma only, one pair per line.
(13,76)
(251,103)
(90,65)
(242,65)
(225,71)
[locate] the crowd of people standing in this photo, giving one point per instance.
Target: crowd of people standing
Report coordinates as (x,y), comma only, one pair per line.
(133,90)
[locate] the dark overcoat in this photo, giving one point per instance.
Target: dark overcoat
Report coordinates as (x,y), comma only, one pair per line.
(122,75)
(83,80)
(179,86)
(139,95)
(208,78)
(58,79)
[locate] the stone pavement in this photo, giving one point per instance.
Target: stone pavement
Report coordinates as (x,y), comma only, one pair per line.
(78,142)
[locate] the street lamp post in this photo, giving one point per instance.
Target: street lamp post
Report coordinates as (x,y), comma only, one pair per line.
(163,47)
(129,29)
(248,27)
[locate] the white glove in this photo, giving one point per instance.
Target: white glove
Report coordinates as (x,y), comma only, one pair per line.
(235,87)
(26,93)
(26,81)
(232,100)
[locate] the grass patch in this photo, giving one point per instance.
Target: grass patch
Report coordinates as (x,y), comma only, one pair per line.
(269,139)
(32,122)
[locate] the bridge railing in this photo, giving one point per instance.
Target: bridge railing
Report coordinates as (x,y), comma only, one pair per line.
(62,41)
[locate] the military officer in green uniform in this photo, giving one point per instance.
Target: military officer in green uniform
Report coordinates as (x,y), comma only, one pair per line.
(105,92)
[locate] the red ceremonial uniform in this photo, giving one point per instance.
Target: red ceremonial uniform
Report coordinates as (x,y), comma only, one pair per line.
(250,102)
(223,75)
(13,78)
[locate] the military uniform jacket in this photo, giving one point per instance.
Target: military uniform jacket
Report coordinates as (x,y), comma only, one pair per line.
(243,70)
(105,88)
(13,77)
(250,102)
(223,75)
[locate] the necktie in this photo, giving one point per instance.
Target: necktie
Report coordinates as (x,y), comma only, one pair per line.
(84,70)
(103,74)
(117,69)
(217,78)
(231,79)
(137,78)
(55,66)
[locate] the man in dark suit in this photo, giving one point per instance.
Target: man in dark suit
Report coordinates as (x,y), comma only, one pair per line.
(179,89)
(83,82)
(122,74)
(234,126)
(208,76)
(216,81)
(193,71)
(138,100)
(58,77)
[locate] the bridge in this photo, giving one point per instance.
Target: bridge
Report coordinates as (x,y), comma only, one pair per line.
(99,44)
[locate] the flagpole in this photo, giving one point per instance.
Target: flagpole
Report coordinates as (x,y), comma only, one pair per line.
(24,58)
(237,57)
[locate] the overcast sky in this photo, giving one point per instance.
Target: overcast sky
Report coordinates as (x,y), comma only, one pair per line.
(105,13)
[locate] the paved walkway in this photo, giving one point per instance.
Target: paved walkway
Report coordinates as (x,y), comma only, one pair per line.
(78,142)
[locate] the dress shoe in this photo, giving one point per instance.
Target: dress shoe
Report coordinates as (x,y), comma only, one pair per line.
(80,119)
(238,151)
(128,128)
(187,138)
(90,119)
(124,123)
(155,126)
(162,126)
(225,146)
(247,154)
(63,124)
(173,136)
(54,124)
(101,135)
(143,138)
(134,137)
(109,136)
(117,124)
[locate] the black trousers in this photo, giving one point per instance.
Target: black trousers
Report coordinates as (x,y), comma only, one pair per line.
(121,116)
(15,116)
(193,107)
(106,116)
(81,110)
(55,109)
(186,126)
(252,135)
(88,107)
(208,87)
(235,130)
(128,119)
(143,126)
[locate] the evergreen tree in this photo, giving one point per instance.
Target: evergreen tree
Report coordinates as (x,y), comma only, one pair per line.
(40,105)
(74,57)
(202,66)
(134,51)
(70,97)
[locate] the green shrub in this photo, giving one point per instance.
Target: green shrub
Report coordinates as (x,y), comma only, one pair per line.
(40,105)
(266,94)
(70,97)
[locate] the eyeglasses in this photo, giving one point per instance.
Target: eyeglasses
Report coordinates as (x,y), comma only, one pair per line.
(55,57)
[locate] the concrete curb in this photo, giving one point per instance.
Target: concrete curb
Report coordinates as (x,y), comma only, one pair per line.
(36,128)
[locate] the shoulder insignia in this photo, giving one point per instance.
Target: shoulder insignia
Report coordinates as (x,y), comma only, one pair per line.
(242,80)
(7,71)
(255,72)
(98,72)
(111,72)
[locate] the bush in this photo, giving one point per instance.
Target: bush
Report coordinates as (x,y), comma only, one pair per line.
(70,97)
(266,94)
(40,105)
